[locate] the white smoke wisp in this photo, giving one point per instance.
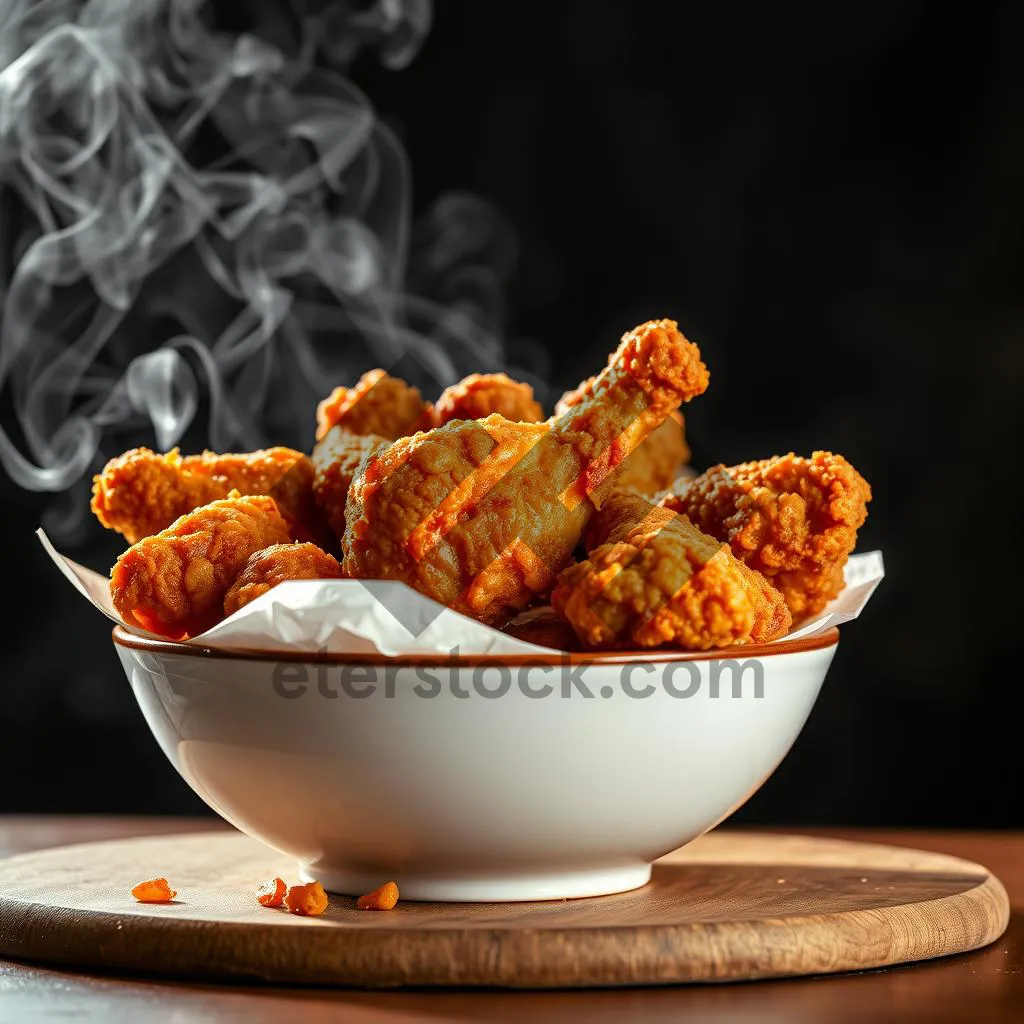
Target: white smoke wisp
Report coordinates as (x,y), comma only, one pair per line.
(198,223)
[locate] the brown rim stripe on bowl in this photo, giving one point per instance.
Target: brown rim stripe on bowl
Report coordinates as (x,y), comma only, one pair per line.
(816,642)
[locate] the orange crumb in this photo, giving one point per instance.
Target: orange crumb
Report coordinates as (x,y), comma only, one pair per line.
(271,894)
(308,900)
(383,898)
(155,890)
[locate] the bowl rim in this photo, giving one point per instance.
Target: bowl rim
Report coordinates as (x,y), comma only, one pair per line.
(800,645)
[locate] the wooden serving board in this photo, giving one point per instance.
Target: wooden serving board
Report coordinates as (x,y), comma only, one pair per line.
(729,906)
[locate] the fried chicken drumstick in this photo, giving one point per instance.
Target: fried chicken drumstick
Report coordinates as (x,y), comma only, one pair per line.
(657,460)
(173,583)
(381,408)
(794,520)
(280,562)
(482,515)
(481,394)
(378,404)
(353,421)
(653,578)
(142,492)
(336,458)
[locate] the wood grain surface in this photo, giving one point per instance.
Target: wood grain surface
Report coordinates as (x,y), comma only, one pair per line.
(730,906)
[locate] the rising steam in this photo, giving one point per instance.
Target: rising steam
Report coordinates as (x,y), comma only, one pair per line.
(204,222)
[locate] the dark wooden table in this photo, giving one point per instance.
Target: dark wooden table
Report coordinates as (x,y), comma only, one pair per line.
(981,987)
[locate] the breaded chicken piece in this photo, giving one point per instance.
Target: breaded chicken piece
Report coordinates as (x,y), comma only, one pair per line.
(482,514)
(657,461)
(660,457)
(794,520)
(142,492)
(481,394)
(174,582)
(652,578)
(626,515)
(772,618)
(336,458)
(378,404)
(276,564)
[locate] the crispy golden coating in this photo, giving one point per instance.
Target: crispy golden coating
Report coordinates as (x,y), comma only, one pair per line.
(482,514)
(173,583)
(378,404)
(154,890)
(309,900)
(666,587)
(657,461)
(481,394)
(794,520)
(142,492)
(384,897)
(336,458)
(273,565)
(772,618)
(653,371)
(437,510)
(652,578)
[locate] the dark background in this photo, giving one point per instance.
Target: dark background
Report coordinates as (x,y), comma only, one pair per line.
(830,199)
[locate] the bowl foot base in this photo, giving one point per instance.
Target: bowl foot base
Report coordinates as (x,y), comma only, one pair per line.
(497,888)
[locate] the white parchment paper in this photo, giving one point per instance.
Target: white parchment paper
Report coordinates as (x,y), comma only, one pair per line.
(390,618)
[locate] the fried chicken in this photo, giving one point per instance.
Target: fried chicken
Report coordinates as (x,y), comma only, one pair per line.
(354,421)
(336,458)
(173,583)
(794,520)
(626,517)
(480,394)
(280,562)
(481,515)
(657,460)
(142,492)
(652,578)
(378,404)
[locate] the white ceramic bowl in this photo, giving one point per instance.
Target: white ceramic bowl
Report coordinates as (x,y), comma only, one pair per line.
(492,788)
